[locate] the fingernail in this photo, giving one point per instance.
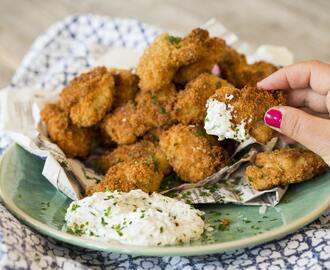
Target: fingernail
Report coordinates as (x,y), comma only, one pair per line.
(273,118)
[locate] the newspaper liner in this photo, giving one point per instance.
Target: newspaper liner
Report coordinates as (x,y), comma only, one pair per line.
(71,176)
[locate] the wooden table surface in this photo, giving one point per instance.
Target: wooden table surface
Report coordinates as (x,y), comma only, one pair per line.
(301,25)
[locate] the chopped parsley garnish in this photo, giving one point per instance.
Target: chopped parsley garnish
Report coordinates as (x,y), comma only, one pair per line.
(109,197)
(155,162)
(161,229)
(107,211)
(154,100)
(74,207)
(118,229)
(162,110)
(103,222)
(174,40)
(76,229)
(45,205)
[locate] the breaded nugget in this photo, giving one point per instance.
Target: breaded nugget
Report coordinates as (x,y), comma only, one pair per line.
(159,63)
(155,109)
(120,126)
(167,55)
(247,108)
(88,97)
(251,74)
(206,50)
(73,140)
(126,86)
(191,153)
(190,107)
(283,167)
(235,69)
(138,150)
(128,175)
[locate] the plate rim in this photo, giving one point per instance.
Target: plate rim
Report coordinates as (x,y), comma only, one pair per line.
(197,250)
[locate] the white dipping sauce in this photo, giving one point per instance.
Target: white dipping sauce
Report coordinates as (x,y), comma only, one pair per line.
(218,122)
(135,218)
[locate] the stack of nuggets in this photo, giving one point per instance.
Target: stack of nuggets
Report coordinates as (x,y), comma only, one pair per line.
(151,122)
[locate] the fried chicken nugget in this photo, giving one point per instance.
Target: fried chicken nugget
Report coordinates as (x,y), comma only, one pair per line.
(126,86)
(159,63)
(120,124)
(125,176)
(155,109)
(207,52)
(283,167)
(237,71)
(191,153)
(190,107)
(248,107)
(73,140)
(138,150)
(88,97)
(167,55)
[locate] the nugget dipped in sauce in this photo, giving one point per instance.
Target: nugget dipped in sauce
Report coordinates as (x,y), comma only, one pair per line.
(238,114)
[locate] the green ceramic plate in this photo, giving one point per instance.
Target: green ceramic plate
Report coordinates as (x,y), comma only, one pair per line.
(31,198)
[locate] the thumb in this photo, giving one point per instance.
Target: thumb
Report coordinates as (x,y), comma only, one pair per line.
(310,131)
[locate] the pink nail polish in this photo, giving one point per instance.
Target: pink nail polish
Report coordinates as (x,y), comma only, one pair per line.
(273,118)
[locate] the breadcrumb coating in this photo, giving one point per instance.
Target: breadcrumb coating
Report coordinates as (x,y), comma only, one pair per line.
(88,97)
(283,167)
(235,69)
(192,154)
(171,58)
(133,174)
(138,150)
(120,125)
(249,106)
(190,105)
(126,86)
(74,141)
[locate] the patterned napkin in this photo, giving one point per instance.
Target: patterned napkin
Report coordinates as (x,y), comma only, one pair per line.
(65,50)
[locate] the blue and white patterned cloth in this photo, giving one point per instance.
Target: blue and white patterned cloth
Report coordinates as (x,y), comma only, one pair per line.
(66,49)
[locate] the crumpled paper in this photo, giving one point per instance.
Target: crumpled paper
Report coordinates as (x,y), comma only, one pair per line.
(20,112)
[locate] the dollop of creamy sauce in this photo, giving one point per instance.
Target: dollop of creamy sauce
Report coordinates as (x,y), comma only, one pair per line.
(135,218)
(218,122)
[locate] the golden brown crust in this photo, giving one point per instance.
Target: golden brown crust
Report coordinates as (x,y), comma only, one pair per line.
(191,153)
(128,175)
(283,167)
(155,109)
(237,71)
(206,51)
(249,106)
(74,141)
(190,106)
(88,97)
(126,86)
(120,126)
(138,150)
(171,58)
(158,64)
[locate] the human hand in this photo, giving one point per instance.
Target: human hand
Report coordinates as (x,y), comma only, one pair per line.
(305,120)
